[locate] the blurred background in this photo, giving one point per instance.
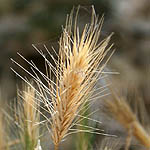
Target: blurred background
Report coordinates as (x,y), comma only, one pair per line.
(27,22)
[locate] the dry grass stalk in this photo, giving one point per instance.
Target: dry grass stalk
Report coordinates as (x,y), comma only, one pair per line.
(121,111)
(76,72)
(28,117)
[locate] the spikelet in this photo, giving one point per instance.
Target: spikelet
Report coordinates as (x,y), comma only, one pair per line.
(28,118)
(121,111)
(71,79)
(76,73)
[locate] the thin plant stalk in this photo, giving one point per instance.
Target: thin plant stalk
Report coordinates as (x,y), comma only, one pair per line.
(28,118)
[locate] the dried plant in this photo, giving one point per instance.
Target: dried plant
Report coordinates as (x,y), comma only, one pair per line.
(121,111)
(3,128)
(2,133)
(27,116)
(69,82)
(76,73)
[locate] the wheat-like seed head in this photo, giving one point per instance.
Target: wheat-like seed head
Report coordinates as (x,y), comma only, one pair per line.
(76,73)
(71,79)
(121,111)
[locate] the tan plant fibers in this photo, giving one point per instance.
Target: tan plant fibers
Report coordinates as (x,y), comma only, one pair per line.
(76,73)
(73,76)
(28,117)
(122,112)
